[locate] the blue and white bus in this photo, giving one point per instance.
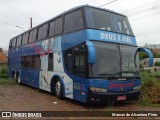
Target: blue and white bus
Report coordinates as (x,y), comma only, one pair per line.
(87,54)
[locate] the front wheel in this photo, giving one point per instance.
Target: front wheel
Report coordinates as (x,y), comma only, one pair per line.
(59,90)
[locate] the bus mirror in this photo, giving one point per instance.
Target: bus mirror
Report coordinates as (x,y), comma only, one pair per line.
(149,53)
(91,52)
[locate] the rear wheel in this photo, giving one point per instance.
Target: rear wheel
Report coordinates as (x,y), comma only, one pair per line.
(18,79)
(58,90)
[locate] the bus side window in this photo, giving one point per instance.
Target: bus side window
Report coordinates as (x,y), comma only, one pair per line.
(25,38)
(58,26)
(10,44)
(50,62)
(19,41)
(14,42)
(33,35)
(69,60)
(79,61)
(51,28)
(75,60)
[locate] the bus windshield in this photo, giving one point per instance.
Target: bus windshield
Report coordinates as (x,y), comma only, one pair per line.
(103,20)
(115,60)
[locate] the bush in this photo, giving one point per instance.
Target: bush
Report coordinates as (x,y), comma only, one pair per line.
(142,55)
(150,92)
(157,63)
(3,73)
(156,55)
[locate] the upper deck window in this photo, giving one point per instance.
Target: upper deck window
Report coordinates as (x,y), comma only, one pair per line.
(58,26)
(33,35)
(103,20)
(51,28)
(10,43)
(42,32)
(14,42)
(25,38)
(73,21)
(19,40)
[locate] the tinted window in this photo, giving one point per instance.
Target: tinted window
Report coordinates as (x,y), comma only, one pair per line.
(51,28)
(107,60)
(19,40)
(50,62)
(73,21)
(25,38)
(32,61)
(33,35)
(58,26)
(39,33)
(75,60)
(10,44)
(14,42)
(69,60)
(42,32)
(104,20)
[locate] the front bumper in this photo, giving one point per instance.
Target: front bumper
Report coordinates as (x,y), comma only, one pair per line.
(107,97)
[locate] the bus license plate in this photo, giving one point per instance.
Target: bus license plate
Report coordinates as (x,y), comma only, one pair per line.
(121,97)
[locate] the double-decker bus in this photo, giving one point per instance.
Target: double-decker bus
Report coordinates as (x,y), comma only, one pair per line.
(87,54)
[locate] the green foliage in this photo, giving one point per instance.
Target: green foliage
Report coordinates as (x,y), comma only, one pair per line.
(156,74)
(3,76)
(6,81)
(157,63)
(3,73)
(150,92)
(156,55)
(142,55)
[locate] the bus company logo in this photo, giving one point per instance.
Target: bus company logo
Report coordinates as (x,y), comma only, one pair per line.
(120,85)
(6,114)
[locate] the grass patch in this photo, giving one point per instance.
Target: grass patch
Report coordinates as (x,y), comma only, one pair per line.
(4,81)
(150,92)
(156,74)
(4,77)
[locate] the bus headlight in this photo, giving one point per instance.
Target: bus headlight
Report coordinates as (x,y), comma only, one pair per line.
(102,90)
(137,88)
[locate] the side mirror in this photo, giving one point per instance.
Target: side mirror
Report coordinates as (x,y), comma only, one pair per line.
(149,53)
(91,52)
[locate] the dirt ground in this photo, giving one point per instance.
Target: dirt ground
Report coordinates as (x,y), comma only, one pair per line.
(24,98)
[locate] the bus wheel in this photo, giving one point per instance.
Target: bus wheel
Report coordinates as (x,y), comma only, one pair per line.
(18,79)
(58,90)
(14,76)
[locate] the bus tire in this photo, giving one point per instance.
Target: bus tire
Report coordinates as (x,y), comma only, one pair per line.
(13,75)
(59,89)
(18,78)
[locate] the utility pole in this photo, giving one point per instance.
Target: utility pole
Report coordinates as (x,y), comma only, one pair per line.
(31,22)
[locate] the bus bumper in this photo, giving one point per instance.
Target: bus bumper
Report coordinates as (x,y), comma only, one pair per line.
(110,97)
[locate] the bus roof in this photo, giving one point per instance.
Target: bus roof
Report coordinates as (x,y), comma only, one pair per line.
(67,11)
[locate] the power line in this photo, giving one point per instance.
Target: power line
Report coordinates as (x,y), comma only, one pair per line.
(146,16)
(11,24)
(7,23)
(149,10)
(140,6)
(108,3)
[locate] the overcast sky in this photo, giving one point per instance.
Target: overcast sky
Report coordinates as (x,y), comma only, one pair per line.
(145,20)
